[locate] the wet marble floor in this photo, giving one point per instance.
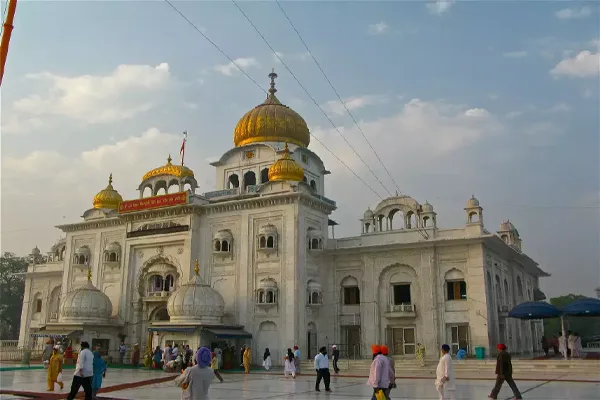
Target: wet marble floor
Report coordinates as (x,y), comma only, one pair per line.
(267,387)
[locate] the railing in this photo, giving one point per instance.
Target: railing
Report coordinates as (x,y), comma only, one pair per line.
(405,307)
(252,188)
(222,193)
(159,293)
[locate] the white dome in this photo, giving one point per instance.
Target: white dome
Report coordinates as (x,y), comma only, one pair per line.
(35,251)
(86,304)
(427,207)
(368,214)
(507,226)
(83,251)
(472,202)
(268,229)
(196,301)
(268,284)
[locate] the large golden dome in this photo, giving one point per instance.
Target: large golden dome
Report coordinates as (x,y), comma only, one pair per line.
(271,121)
(178,171)
(286,169)
(108,198)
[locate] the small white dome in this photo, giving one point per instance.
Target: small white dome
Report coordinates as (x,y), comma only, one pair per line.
(507,226)
(472,202)
(427,207)
(83,251)
(114,247)
(196,301)
(268,229)
(86,304)
(314,286)
(368,214)
(35,251)
(268,284)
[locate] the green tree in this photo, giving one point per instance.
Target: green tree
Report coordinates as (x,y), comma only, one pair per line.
(12,287)
(585,326)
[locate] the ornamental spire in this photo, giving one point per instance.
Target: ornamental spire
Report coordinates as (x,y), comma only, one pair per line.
(169,159)
(110,179)
(273,76)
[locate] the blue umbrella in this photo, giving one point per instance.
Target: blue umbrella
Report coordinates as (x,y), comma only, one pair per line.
(587,307)
(534,310)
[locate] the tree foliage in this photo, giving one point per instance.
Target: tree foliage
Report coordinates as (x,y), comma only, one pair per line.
(585,326)
(12,288)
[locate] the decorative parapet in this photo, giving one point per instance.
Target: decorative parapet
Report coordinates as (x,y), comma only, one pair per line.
(222,193)
(325,199)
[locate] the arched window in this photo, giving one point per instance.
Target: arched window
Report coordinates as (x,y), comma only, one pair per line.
(504,238)
(169,283)
(264,175)
(270,242)
(147,191)
(261,296)
(411,220)
(112,257)
(350,291)
(315,244)
(224,245)
(262,242)
(456,287)
(249,179)
(519,288)
(234,181)
(313,185)
(270,297)
(315,298)
(425,222)
(217,245)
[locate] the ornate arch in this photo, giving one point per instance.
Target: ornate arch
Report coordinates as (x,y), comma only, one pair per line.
(387,272)
(154,260)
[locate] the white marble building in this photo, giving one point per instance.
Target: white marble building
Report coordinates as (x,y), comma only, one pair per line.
(270,274)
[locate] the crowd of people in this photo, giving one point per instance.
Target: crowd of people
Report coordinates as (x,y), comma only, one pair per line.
(569,345)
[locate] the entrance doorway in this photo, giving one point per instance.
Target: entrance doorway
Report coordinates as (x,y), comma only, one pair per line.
(403,341)
(460,338)
(351,335)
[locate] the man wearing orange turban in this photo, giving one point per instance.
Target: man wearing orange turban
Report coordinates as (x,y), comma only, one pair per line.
(380,375)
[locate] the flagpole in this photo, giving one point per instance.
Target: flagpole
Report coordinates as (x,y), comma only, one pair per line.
(182,151)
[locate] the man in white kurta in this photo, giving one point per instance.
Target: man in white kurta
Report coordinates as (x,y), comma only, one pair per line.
(445,382)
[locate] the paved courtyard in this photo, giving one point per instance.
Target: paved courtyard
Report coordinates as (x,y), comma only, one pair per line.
(263,386)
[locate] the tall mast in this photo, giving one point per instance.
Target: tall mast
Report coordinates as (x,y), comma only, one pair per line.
(8,27)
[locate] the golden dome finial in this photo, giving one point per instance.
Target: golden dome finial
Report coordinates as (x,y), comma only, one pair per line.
(273,76)
(286,169)
(169,159)
(108,197)
(196,267)
(271,121)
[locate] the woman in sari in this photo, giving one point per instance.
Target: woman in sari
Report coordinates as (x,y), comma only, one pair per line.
(247,359)
(55,364)
(99,373)
(267,359)
(289,364)
(157,358)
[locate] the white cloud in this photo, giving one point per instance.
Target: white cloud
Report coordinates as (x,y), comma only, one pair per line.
(230,69)
(584,65)
(432,128)
(15,125)
(378,28)
(123,94)
(440,7)
(353,103)
(573,13)
(515,54)
(558,108)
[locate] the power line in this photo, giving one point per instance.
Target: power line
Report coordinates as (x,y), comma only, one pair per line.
(312,98)
(214,44)
(260,87)
(337,94)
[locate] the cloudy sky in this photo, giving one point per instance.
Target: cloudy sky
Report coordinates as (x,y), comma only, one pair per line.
(495,99)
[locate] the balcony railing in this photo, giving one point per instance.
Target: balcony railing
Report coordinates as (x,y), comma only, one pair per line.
(404,310)
(160,293)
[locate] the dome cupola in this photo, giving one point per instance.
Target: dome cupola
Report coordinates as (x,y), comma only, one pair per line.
(286,169)
(169,169)
(108,198)
(271,121)
(196,302)
(86,305)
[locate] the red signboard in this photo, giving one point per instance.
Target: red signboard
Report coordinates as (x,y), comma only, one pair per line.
(149,203)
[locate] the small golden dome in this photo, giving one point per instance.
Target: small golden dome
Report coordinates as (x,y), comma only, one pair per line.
(108,198)
(271,121)
(178,171)
(286,169)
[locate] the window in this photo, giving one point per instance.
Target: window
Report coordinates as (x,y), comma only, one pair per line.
(234,181)
(314,298)
(351,296)
(457,290)
(270,242)
(263,242)
(304,158)
(264,175)
(38,306)
(402,294)
(313,185)
(224,246)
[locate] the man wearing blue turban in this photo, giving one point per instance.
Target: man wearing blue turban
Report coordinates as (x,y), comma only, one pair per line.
(195,381)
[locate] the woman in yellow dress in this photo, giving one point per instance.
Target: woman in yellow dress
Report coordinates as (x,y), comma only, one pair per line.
(54,368)
(421,354)
(247,358)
